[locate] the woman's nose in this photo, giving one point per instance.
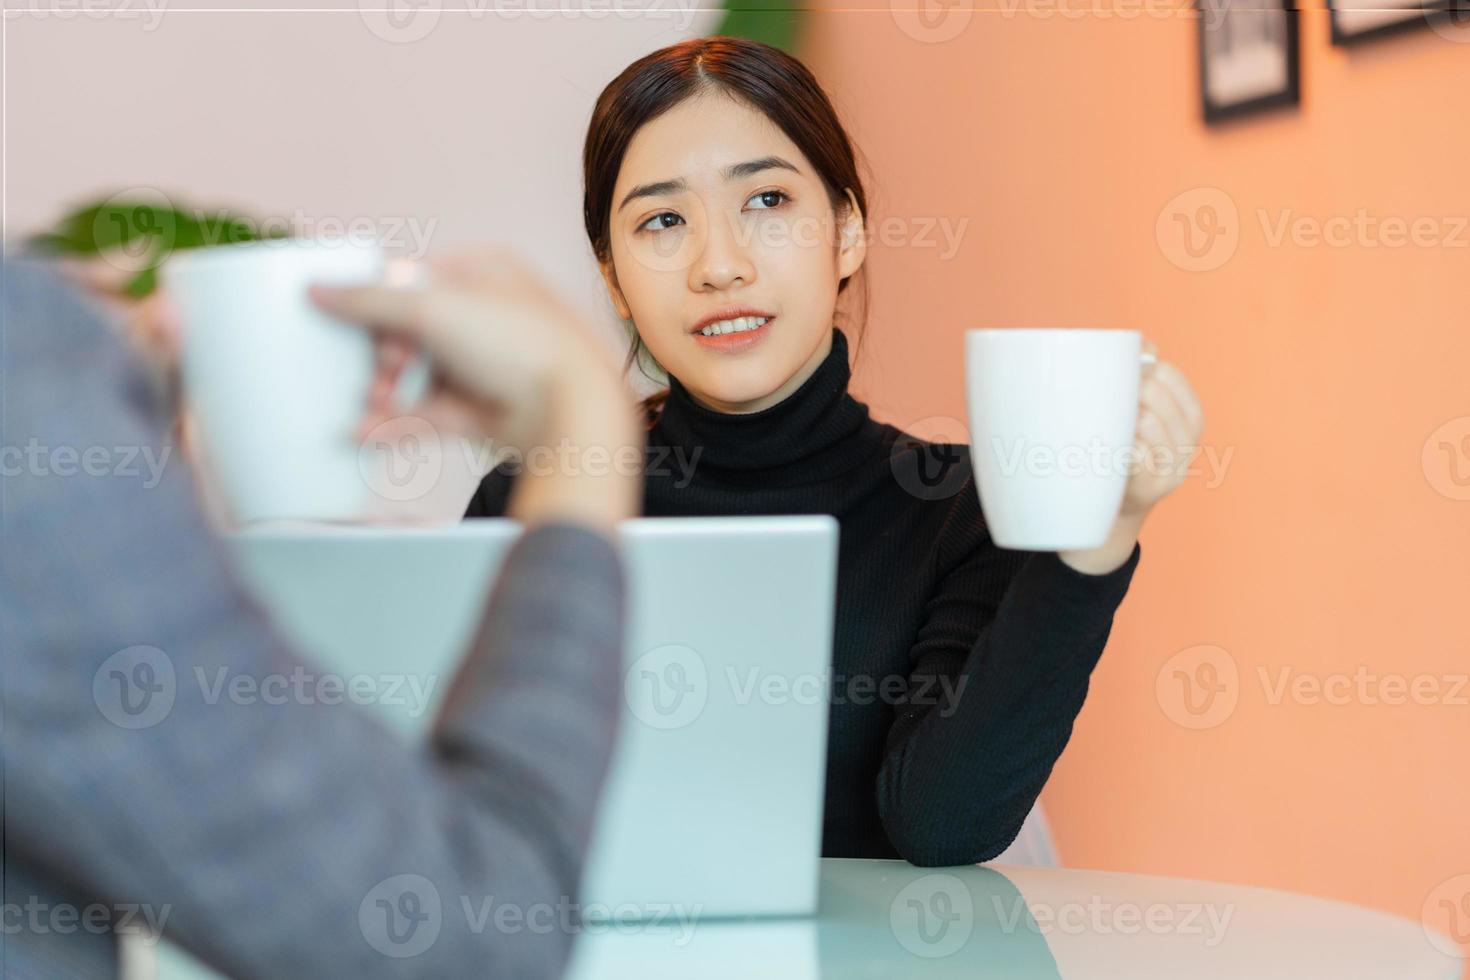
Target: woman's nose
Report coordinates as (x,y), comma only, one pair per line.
(724,259)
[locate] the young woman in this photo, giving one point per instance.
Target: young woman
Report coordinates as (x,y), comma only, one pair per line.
(720,188)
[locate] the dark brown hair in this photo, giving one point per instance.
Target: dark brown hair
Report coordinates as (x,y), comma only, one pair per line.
(764,77)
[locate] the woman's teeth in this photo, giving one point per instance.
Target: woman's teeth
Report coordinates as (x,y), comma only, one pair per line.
(737,325)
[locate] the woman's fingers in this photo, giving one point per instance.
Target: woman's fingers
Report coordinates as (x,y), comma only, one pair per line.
(498,338)
(1179,388)
(1158,401)
(477,267)
(1151,429)
(380,307)
(447,414)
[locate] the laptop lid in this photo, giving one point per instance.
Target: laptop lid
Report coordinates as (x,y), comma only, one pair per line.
(713,804)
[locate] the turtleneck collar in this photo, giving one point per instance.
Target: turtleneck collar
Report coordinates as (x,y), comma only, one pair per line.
(815,432)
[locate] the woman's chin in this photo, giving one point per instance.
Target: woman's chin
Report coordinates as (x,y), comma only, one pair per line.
(733,396)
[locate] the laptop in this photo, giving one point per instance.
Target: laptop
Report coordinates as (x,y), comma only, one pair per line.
(713,804)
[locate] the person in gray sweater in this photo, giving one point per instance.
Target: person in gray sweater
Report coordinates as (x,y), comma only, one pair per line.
(297,838)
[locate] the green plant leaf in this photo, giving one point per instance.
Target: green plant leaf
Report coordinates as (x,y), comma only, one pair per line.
(142,284)
(143,229)
(773,22)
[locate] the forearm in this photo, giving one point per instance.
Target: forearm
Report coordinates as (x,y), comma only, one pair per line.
(960,775)
(584,464)
(265,826)
(530,721)
(1112,553)
(272,828)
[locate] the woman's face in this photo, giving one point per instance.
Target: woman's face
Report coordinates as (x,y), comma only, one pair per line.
(715,208)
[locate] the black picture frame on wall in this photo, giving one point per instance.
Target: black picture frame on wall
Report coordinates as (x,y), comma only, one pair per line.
(1354,21)
(1249,57)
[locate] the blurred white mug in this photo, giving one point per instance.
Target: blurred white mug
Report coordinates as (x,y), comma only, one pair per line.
(1053,412)
(275,385)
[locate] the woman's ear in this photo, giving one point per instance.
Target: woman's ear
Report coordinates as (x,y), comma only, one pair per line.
(614,293)
(853,245)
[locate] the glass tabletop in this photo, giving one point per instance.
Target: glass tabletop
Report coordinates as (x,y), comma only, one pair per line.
(890,919)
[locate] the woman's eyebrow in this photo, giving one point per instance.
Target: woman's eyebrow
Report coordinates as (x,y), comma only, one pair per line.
(733,172)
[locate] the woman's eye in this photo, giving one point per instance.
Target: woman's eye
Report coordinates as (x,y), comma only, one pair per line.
(659,226)
(771,199)
(780,195)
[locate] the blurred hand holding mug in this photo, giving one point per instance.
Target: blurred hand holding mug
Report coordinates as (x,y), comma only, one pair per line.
(275,384)
(1069,427)
(512,363)
(285,382)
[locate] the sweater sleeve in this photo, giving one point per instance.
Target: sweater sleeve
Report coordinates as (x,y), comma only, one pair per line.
(493,493)
(997,677)
(286,828)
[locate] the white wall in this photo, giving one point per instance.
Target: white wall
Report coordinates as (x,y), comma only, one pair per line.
(462,125)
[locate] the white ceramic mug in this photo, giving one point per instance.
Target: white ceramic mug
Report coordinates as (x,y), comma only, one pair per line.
(276,386)
(1052,413)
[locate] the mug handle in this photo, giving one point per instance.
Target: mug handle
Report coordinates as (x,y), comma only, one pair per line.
(1148,357)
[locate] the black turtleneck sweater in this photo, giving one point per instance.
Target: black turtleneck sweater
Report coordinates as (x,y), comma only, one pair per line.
(958,666)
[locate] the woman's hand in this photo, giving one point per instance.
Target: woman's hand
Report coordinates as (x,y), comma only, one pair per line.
(1170,422)
(1166,440)
(512,363)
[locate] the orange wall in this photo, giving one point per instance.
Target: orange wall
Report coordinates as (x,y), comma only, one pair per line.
(1326,545)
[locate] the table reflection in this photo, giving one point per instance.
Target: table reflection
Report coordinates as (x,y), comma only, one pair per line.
(890,919)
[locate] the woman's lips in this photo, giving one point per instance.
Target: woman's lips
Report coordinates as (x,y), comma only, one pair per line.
(734,343)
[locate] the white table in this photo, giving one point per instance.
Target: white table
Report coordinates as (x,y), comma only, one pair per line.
(889,919)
